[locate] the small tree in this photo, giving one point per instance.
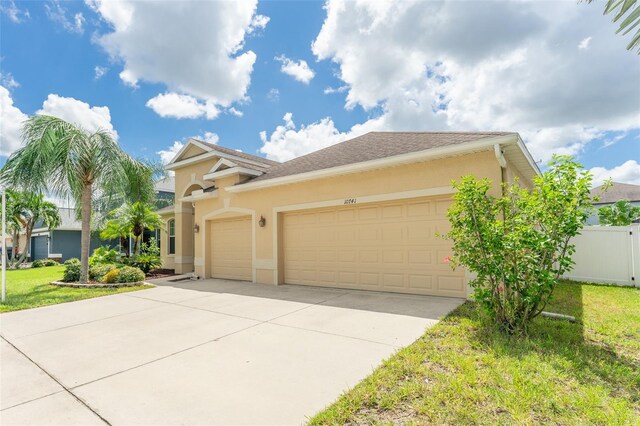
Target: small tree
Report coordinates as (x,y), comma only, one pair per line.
(519,244)
(620,213)
(131,219)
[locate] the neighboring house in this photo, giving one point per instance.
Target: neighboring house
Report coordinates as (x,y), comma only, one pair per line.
(361,214)
(62,243)
(618,191)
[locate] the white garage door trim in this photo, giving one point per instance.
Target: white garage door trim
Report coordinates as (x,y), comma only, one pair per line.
(239,211)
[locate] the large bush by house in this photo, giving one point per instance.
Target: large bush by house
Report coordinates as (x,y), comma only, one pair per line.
(103,255)
(518,244)
(72,270)
(128,274)
(97,272)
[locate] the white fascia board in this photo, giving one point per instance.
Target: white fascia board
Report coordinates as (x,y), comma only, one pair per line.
(231,171)
(186,146)
(208,155)
(528,156)
(222,162)
(198,197)
(397,160)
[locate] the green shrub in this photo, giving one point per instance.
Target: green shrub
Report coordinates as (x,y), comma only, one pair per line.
(129,274)
(519,244)
(50,262)
(39,263)
(98,271)
(71,271)
(71,261)
(103,255)
(145,261)
(111,276)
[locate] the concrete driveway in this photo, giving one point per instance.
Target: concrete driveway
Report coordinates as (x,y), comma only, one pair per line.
(206,352)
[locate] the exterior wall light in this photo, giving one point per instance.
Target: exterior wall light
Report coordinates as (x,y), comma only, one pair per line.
(262,222)
(196,228)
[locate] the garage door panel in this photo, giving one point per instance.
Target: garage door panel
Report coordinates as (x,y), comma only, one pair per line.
(388,246)
(231,249)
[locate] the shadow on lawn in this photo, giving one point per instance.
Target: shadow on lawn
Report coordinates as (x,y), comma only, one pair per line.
(562,344)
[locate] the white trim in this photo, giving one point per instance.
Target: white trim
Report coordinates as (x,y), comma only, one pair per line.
(500,156)
(55,255)
(199,196)
(213,153)
(396,160)
(222,162)
(528,156)
(186,146)
(205,229)
(392,196)
(232,171)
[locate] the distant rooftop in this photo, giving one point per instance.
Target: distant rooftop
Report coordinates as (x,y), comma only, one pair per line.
(618,191)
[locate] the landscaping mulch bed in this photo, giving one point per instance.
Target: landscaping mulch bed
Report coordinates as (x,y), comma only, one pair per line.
(160,273)
(97,284)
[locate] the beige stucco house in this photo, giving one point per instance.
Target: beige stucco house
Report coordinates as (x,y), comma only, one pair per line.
(361,214)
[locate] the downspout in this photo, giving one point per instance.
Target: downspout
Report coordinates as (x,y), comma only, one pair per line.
(503,164)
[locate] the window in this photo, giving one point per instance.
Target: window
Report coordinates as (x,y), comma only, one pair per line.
(172,236)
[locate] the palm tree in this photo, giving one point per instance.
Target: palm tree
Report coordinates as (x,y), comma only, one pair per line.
(131,219)
(25,210)
(66,160)
(620,8)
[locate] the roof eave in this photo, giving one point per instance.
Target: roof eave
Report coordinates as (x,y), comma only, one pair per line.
(396,160)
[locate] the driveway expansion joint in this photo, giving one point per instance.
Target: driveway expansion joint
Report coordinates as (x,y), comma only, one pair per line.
(62,385)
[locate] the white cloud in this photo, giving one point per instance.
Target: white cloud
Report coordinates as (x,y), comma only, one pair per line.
(235,112)
(11,118)
(287,142)
(56,13)
(584,44)
(194,48)
(627,172)
(210,137)
(69,109)
(299,70)
(166,155)
(7,80)
(99,72)
(259,22)
(182,106)
(90,118)
(332,90)
(273,95)
(480,66)
(9,8)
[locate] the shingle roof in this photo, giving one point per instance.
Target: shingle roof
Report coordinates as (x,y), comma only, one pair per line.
(168,184)
(372,146)
(238,153)
(618,191)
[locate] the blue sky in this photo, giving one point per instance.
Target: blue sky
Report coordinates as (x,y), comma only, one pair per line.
(558,75)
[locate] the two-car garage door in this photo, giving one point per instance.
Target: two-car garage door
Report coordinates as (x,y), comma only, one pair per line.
(389,246)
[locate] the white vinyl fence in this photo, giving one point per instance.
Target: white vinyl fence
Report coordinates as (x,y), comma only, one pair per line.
(607,254)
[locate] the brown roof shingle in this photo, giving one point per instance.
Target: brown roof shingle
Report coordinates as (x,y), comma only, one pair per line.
(239,153)
(372,146)
(618,191)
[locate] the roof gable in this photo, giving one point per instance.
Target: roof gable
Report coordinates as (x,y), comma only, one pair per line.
(196,150)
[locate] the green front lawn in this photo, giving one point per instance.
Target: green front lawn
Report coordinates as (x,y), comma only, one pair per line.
(462,371)
(29,288)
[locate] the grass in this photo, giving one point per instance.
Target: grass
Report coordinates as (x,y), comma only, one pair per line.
(30,288)
(462,371)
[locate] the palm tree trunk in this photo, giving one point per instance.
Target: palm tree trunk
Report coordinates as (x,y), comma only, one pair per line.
(85,235)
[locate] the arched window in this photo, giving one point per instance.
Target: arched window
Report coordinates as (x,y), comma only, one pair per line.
(172,236)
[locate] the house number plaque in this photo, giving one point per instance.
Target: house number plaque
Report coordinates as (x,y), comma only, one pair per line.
(350,201)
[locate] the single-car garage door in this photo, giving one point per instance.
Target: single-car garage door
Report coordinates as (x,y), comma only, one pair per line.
(390,246)
(231,249)
(39,247)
